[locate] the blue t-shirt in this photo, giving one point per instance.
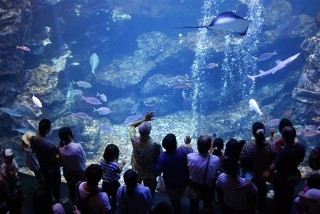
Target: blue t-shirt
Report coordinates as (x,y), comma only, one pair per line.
(174,167)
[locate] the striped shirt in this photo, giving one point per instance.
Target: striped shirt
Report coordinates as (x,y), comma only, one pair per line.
(110,170)
(232,196)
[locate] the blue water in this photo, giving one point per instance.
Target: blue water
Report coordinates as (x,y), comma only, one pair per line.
(210,94)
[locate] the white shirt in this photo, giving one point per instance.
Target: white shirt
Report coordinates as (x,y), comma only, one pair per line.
(98,203)
(233,197)
(197,165)
(73,157)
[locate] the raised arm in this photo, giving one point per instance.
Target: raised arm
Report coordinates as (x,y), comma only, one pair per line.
(148,117)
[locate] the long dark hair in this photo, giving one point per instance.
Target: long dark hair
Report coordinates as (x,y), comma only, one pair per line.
(65,135)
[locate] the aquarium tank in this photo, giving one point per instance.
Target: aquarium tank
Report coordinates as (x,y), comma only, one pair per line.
(204,67)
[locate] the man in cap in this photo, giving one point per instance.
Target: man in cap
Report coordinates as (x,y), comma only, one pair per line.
(31,158)
(145,152)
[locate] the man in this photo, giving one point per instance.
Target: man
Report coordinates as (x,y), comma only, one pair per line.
(203,169)
(47,155)
(287,176)
(173,164)
(145,152)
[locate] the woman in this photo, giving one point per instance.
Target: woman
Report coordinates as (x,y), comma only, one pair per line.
(133,198)
(73,160)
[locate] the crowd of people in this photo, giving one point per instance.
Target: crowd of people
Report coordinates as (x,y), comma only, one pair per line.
(233,179)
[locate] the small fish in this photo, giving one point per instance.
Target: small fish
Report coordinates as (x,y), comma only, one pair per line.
(316,119)
(310,133)
(179,85)
(105,128)
(36,101)
(82,84)
(91,100)
(311,127)
(81,115)
(11,112)
(184,95)
(23,130)
(24,48)
(133,118)
(102,96)
(76,92)
(272,123)
(74,64)
(266,56)
(94,62)
(212,65)
(253,106)
(102,110)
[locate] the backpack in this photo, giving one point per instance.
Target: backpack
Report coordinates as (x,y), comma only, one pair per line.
(82,204)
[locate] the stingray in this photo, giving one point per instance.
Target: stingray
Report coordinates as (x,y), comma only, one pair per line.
(226,21)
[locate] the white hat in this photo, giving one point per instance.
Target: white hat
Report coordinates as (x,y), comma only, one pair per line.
(26,137)
(145,128)
(8,152)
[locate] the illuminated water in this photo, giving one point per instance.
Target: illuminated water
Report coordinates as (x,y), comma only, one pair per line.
(145,64)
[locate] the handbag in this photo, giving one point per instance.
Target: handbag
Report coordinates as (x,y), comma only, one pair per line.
(161,187)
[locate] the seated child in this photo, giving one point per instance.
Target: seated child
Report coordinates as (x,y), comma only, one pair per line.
(308,200)
(9,167)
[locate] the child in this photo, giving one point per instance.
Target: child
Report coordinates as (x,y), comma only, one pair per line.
(111,173)
(9,167)
(31,159)
(309,201)
(217,147)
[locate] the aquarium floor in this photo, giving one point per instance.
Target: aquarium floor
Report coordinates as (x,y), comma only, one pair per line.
(29,182)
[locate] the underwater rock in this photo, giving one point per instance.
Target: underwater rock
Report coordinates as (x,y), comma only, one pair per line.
(121,108)
(277,11)
(125,72)
(14,24)
(119,16)
(153,48)
(90,136)
(308,88)
(157,84)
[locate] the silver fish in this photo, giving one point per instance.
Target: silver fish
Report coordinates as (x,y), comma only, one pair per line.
(82,84)
(133,118)
(81,115)
(102,110)
(91,100)
(266,56)
(102,97)
(94,62)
